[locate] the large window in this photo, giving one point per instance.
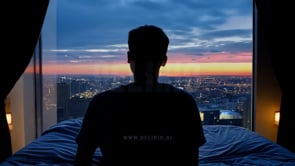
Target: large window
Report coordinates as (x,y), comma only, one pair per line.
(210,53)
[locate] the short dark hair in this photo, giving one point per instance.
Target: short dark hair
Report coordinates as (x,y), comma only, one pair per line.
(148,42)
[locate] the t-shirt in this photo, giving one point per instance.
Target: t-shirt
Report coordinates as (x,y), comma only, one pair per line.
(140,126)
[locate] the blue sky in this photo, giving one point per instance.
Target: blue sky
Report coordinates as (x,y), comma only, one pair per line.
(90,31)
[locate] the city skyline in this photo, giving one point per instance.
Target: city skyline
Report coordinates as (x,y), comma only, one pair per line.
(221,99)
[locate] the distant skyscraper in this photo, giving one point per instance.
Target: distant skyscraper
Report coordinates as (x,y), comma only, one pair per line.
(63,95)
(245,109)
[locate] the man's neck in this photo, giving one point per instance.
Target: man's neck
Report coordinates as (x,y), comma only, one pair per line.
(148,81)
(143,87)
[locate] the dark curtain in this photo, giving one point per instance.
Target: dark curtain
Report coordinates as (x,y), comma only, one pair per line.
(276,28)
(21,26)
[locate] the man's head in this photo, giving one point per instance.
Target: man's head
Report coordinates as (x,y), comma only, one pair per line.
(147,42)
(148,46)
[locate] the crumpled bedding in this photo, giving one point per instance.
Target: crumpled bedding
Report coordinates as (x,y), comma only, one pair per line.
(226,145)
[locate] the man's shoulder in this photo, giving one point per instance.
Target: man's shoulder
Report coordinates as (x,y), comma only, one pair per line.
(161,88)
(107,94)
(164,87)
(112,91)
(169,88)
(119,89)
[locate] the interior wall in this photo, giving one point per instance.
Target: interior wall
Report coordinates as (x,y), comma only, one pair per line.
(21,104)
(17,113)
(268,97)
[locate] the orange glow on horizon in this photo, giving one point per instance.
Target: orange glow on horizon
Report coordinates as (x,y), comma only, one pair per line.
(171,69)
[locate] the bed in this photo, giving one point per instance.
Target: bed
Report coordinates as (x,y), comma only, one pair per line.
(226,145)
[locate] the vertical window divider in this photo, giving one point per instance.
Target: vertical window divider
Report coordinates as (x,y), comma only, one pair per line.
(38,88)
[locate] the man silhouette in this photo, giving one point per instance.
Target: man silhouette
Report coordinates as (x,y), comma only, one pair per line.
(144,122)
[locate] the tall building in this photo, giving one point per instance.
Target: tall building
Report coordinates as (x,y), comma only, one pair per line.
(63,95)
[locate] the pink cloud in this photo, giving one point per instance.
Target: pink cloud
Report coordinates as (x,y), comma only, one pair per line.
(213,58)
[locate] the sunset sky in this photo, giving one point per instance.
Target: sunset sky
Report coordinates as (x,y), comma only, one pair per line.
(206,36)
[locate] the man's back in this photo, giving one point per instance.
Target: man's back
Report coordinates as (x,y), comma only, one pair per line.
(137,126)
(143,123)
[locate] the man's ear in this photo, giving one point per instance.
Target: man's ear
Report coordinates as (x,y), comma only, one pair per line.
(164,61)
(129,57)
